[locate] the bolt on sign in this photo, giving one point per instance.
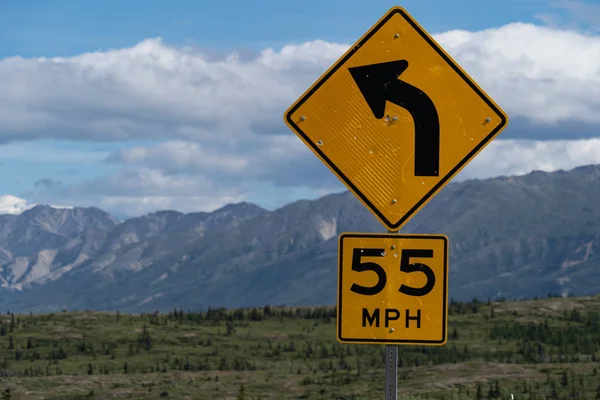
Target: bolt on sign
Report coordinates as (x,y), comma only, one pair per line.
(392,289)
(395,118)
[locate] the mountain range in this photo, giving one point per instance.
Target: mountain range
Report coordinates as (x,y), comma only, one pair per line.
(511,237)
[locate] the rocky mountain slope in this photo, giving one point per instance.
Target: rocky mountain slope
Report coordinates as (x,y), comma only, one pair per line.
(510,237)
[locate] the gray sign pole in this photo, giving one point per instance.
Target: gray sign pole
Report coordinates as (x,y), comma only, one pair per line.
(391,372)
(391,369)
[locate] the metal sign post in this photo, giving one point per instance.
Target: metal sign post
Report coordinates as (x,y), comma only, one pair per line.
(391,368)
(391,372)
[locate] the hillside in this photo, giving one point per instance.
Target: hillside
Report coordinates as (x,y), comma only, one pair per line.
(511,237)
(539,349)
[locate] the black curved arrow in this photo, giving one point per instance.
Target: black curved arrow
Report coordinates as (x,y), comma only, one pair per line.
(379,83)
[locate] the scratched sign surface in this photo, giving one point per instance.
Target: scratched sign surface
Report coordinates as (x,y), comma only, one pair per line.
(395,118)
(392,289)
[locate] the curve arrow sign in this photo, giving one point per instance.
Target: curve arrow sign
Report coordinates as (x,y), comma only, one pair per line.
(378,84)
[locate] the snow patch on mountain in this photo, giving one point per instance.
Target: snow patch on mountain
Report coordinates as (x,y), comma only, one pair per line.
(327,228)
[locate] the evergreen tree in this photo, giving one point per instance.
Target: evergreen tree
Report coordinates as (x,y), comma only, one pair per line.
(479,393)
(564,379)
(241,393)
(6,394)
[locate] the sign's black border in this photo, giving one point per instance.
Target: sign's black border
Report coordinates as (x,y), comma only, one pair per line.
(394,226)
(392,236)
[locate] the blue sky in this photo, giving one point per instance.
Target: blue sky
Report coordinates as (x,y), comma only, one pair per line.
(65,140)
(68,27)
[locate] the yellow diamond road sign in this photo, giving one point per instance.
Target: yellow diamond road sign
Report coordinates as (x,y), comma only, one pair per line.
(392,289)
(395,118)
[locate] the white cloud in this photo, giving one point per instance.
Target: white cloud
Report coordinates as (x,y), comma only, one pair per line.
(39,152)
(180,183)
(539,73)
(274,159)
(153,90)
(180,154)
(136,205)
(501,157)
(13,205)
(516,157)
(221,125)
(134,191)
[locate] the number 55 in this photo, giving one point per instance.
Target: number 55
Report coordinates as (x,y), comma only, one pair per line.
(405,266)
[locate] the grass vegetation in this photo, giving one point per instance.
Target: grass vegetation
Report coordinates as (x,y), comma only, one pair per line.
(535,349)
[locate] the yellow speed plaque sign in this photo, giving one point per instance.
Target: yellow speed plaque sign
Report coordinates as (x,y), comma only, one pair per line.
(392,289)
